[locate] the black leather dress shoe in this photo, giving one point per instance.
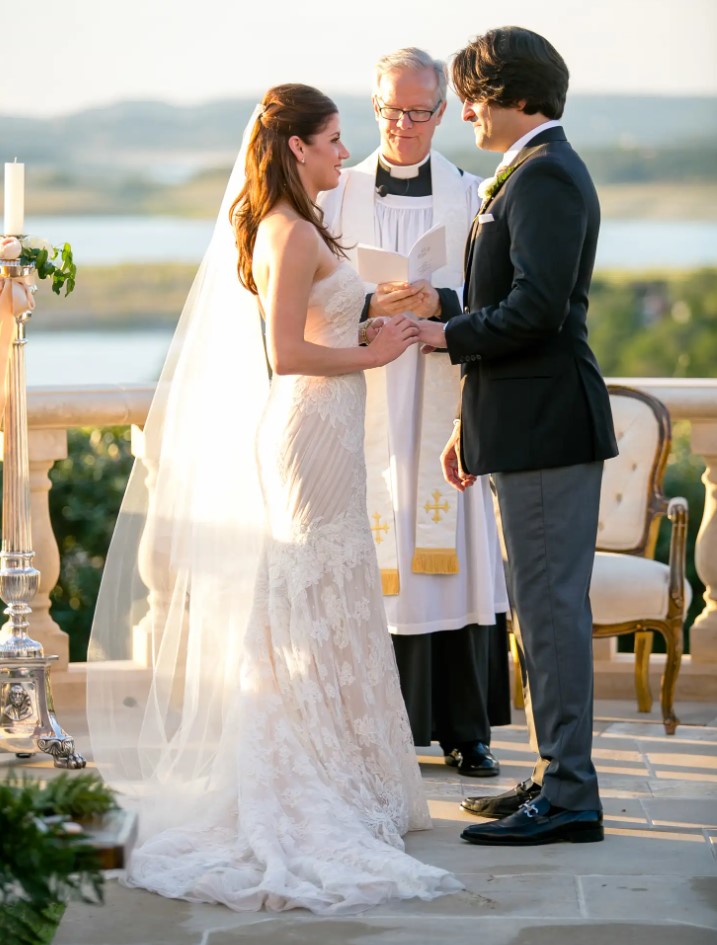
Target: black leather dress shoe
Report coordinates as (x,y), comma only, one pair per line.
(539,822)
(479,762)
(502,805)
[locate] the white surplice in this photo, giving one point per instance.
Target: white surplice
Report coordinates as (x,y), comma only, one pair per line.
(426,602)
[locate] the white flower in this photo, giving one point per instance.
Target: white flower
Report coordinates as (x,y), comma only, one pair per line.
(491,185)
(10,247)
(38,242)
(485,186)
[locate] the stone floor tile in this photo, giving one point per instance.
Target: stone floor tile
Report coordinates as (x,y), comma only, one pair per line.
(691,899)
(435,931)
(654,731)
(553,896)
(682,786)
(675,812)
(128,917)
(660,802)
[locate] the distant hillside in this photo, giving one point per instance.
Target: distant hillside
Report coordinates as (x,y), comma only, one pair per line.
(151,158)
(171,142)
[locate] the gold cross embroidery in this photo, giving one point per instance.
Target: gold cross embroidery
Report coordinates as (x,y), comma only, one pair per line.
(377,529)
(437,506)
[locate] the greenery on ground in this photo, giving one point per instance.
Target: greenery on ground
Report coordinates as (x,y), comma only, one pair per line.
(43,861)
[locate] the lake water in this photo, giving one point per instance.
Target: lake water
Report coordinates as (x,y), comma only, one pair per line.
(136,357)
(624,244)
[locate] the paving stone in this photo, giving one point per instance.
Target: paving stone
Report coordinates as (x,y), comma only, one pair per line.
(652,882)
(674,812)
(654,731)
(460,931)
(128,917)
(692,899)
(682,786)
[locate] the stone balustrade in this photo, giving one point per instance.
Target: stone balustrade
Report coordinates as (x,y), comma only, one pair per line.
(52,411)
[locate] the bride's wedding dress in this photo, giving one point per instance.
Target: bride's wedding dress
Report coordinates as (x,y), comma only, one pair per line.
(315,781)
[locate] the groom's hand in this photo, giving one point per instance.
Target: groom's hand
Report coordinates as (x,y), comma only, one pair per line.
(453,472)
(431,335)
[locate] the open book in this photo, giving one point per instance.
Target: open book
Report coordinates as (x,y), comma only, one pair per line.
(427,254)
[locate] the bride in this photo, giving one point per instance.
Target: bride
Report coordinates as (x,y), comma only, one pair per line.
(243,693)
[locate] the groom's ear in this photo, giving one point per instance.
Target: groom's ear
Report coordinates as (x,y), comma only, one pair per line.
(374,102)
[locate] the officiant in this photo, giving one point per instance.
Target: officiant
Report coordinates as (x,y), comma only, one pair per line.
(439,553)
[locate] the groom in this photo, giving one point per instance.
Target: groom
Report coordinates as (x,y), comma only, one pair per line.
(535,414)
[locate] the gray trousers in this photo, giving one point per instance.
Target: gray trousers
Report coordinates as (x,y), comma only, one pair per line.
(549,521)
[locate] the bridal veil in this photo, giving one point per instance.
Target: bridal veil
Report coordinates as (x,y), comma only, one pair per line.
(179,579)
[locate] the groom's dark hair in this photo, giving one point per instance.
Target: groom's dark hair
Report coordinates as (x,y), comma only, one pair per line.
(510,65)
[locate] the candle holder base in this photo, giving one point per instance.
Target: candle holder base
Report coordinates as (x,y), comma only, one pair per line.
(27,714)
(14,269)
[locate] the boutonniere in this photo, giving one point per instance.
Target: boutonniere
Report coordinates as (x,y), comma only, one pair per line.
(490,186)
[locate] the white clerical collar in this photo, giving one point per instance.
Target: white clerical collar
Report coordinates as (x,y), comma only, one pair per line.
(512,153)
(402,171)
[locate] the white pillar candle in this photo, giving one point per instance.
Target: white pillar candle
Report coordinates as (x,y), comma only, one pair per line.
(14,199)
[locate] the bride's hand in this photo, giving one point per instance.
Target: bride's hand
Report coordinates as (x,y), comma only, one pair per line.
(373,327)
(392,339)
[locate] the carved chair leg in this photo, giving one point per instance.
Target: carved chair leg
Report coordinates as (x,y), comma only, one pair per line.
(643,649)
(518,700)
(673,641)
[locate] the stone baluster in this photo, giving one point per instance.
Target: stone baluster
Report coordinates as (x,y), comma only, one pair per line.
(45,447)
(154,569)
(703,635)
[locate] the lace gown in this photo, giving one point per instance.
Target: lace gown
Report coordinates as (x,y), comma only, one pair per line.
(319,776)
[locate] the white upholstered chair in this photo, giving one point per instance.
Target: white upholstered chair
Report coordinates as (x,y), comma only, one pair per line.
(631,592)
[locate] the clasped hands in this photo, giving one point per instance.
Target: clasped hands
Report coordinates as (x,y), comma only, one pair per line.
(419,299)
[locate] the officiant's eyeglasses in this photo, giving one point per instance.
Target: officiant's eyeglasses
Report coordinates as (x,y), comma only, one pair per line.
(415,114)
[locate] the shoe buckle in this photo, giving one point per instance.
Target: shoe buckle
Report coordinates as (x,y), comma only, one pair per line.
(530,809)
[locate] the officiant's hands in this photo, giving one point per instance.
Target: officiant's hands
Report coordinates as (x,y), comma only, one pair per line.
(427,302)
(453,472)
(395,298)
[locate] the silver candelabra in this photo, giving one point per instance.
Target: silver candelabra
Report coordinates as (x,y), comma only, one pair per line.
(27,715)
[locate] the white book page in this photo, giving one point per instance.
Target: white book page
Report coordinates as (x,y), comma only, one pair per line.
(427,254)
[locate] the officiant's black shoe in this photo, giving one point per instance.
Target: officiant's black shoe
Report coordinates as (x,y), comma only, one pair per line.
(478,762)
(452,758)
(539,822)
(502,805)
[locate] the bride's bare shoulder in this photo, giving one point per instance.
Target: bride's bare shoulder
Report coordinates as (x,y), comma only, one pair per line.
(286,244)
(283,228)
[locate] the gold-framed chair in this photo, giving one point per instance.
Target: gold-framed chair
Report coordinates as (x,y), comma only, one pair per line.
(630,591)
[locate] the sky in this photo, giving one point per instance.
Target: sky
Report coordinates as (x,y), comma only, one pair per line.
(86,53)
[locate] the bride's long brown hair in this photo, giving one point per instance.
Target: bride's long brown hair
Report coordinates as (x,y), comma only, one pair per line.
(271,171)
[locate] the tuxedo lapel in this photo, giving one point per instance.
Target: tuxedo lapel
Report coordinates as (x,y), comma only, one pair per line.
(535,146)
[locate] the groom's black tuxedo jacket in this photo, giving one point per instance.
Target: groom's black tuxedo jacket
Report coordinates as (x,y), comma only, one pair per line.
(532,393)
